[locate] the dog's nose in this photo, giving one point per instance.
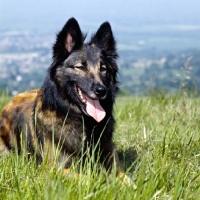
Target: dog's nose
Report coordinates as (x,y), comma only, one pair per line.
(100,91)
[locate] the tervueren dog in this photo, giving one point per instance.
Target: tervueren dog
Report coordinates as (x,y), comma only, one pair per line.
(73,110)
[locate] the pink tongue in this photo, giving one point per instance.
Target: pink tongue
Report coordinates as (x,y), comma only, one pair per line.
(94,108)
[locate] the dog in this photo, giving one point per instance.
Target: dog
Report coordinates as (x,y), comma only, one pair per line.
(73,110)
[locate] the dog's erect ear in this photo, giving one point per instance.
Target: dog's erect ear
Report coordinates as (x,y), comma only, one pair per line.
(104,38)
(68,39)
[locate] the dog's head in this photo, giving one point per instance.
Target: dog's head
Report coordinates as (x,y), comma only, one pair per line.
(83,74)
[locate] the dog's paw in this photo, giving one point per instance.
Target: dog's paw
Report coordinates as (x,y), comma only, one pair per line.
(67,172)
(126,180)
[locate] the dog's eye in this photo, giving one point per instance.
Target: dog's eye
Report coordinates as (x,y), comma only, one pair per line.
(80,67)
(103,68)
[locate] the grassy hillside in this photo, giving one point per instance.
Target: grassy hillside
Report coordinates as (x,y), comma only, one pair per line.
(158,142)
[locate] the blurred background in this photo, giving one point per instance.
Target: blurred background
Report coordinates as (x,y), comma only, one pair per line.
(158,41)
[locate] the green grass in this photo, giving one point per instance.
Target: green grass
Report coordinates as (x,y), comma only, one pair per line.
(159,146)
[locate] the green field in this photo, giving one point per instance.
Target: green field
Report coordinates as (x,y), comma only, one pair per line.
(159,146)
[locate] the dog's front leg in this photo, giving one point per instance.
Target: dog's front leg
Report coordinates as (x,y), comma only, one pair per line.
(112,162)
(110,158)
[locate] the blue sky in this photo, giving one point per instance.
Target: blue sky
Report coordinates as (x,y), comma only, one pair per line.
(132,21)
(50,15)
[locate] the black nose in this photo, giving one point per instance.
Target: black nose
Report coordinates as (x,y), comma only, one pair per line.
(100,91)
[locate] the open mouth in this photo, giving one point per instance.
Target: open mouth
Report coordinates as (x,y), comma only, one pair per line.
(92,106)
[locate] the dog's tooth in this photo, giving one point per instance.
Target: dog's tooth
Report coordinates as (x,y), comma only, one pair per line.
(81,96)
(80,93)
